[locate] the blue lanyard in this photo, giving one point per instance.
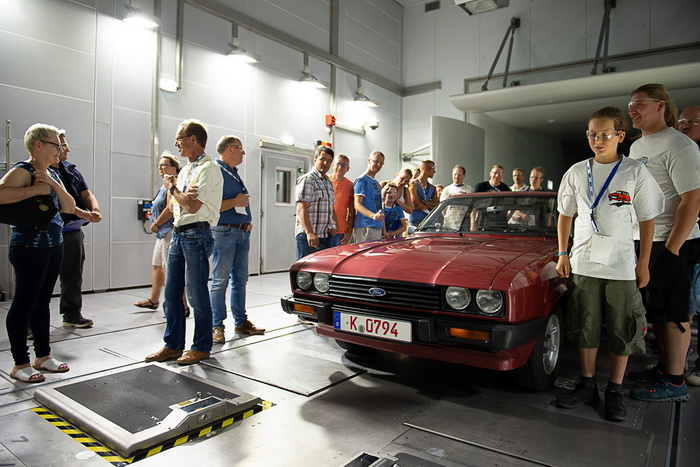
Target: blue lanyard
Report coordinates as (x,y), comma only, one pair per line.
(191,172)
(591,194)
(232,173)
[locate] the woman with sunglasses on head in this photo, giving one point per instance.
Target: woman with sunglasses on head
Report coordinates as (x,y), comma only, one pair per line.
(674,162)
(161,226)
(35,254)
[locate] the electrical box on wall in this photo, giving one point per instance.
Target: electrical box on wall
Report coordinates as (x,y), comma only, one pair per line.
(144,209)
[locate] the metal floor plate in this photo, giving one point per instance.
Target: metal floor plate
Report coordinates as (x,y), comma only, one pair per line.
(138,408)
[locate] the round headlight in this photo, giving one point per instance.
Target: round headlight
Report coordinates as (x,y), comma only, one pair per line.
(304,280)
(457,297)
(321,282)
(489,301)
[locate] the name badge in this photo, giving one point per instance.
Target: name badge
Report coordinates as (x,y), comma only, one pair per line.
(601,249)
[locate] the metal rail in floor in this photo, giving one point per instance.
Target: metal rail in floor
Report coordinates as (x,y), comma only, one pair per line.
(330,407)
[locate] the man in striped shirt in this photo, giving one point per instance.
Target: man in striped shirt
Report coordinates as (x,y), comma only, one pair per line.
(316,218)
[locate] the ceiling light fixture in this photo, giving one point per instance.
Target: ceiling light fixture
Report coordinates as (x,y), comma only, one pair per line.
(474,7)
(134,17)
(361,98)
(307,79)
(237,52)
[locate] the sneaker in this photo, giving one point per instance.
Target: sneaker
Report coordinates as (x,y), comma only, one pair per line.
(614,405)
(647,376)
(661,390)
(218,335)
(582,394)
(249,328)
(78,322)
(693,379)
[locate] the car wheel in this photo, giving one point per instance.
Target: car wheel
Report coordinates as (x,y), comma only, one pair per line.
(356,349)
(540,371)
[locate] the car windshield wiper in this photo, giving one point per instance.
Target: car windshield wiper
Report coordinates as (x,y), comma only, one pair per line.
(439,228)
(507,229)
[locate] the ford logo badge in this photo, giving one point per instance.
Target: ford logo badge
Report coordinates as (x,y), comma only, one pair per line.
(377,292)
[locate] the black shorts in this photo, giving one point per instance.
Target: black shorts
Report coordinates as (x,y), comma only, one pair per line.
(666,296)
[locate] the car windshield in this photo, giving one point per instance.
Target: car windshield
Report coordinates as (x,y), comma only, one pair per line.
(488,213)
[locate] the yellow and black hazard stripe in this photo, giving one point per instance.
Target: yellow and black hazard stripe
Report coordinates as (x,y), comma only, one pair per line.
(115,459)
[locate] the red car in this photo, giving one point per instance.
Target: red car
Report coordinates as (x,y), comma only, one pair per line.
(475,284)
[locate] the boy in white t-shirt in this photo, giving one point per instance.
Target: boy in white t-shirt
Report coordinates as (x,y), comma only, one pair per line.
(607,192)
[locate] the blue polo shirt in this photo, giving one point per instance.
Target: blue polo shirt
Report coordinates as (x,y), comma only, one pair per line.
(233,186)
(372,200)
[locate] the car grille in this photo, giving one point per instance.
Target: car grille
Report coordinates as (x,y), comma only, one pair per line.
(405,294)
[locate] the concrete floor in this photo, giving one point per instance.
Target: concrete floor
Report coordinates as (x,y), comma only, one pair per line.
(330,406)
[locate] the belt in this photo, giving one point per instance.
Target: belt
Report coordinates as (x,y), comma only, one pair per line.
(194,225)
(237,226)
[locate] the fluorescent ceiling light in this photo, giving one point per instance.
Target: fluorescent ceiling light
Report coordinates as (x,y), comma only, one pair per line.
(474,7)
(361,98)
(134,17)
(238,53)
(308,79)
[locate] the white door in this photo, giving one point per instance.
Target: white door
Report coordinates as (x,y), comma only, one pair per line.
(279,174)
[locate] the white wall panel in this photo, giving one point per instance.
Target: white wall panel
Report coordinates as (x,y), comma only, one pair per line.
(130,229)
(419,46)
(131,264)
(307,20)
(49,21)
(558,32)
(673,22)
(131,131)
(131,176)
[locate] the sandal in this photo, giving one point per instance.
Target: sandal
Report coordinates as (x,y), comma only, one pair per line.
(52,366)
(148,303)
(28,375)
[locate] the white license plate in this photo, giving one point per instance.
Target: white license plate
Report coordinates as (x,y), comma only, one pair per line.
(372,326)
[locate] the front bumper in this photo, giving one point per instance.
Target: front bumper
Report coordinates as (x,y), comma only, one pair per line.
(507,346)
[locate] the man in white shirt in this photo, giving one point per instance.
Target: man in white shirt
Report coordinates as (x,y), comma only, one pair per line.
(191,246)
(518,180)
(674,162)
(458,187)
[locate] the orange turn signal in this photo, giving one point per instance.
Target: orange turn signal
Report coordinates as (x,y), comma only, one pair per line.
(468,334)
(304,308)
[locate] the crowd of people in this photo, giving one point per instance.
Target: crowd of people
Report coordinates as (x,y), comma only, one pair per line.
(638,231)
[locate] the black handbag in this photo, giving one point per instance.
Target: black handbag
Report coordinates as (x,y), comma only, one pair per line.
(32,213)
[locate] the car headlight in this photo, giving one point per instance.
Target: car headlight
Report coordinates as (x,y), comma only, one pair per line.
(304,280)
(489,301)
(457,297)
(321,282)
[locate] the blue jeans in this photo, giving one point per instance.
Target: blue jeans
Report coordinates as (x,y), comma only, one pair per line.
(188,256)
(303,248)
(335,240)
(230,260)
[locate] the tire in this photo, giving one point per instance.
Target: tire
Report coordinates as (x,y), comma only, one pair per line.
(355,349)
(540,371)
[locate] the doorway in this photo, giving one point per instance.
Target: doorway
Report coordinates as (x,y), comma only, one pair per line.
(278,216)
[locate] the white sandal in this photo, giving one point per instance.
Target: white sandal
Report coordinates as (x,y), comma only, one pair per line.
(52,366)
(25,375)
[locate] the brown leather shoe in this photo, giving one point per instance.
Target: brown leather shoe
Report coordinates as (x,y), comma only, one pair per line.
(249,328)
(192,356)
(163,355)
(218,335)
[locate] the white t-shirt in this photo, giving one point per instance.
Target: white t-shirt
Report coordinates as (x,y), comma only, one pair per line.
(631,191)
(454,190)
(524,188)
(673,160)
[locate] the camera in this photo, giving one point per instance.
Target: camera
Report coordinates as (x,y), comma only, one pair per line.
(372,124)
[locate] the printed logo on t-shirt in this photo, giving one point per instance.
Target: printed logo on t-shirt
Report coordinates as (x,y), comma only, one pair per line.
(619,198)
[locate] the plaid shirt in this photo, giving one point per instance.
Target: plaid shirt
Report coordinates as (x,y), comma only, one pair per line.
(317,190)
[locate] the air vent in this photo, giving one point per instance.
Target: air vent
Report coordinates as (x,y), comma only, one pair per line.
(430,6)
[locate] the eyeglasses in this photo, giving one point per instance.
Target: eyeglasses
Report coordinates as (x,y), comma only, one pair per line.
(237,146)
(685,121)
(592,135)
(637,103)
(164,166)
(180,138)
(342,164)
(60,147)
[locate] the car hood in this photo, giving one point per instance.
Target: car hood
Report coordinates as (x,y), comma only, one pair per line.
(445,260)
